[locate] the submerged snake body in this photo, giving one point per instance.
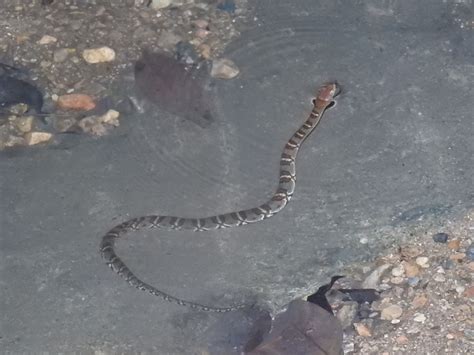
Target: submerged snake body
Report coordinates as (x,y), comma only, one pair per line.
(279,200)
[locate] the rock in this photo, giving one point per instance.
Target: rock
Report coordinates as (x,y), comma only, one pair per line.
(362,330)
(391,312)
(12,141)
(97,125)
(457,257)
(98,55)
(205,51)
(419,317)
(413,281)
(46,39)
(24,124)
(398,271)
(76,102)
(411,269)
(448,264)
(224,69)
(470,252)
(440,238)
(439,278)
(347,314)
(419,301)
(454,244)
(60,55)
(402,340)
(397,280)
(469,292)
(159,4)
(423,261)
(373,280)
(33,138)
(470,266)
(202,24)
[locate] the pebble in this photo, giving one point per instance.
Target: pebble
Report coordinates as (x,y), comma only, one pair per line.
(439,278)
(391,312)
(419,301)
(98,55)
(373,280)
(204,51)
(454,244)
(469,292)
(457,257)
(448,264)
(76,102)
(362,330)
(413,281)
(46,39)
(411,269)
(440,237)
(402,340)
(224,69)
(419,317)
(470,252)
(33,138)
(423,261)
(159,4)
(397,280)
(60,55)
(460,289)
(398,271)
(96,125)
(24,124)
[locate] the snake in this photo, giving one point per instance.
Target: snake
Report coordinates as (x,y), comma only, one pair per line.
(324,99)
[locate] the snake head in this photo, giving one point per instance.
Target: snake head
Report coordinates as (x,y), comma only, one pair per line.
(326,95)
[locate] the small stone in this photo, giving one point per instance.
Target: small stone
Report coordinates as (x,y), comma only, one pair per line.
(448,264)
(46,39)
(60,55)
(460,289)
(98,55)
(454,244)
(439,278)
(204,51)
(419,317)
(419,301)
(362,330)
(450,336)
(440,238)
(24,124)
(33,138)
(470,252)
(411,269)
(12,141)
(402,340)
(203,24)
(423,261)
(364,240)
(111,118)
(397,280)
(457,257)
(224,69)
(76,102)
(413,281)
(469,292)
(159,4)
(373,280)
(398,271)
(470,266)
(391,312)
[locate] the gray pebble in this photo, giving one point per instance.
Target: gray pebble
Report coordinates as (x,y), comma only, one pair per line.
(440,237)
(470,252)
(413,281)
(447,264)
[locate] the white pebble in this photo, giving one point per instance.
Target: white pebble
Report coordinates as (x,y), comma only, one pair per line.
(98,55)
(423,261)
(419,317)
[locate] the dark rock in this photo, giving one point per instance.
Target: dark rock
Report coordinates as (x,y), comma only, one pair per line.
(185,53)
(440,237)
(15,91)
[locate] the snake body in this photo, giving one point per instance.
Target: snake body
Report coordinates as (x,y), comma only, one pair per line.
(279,200)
